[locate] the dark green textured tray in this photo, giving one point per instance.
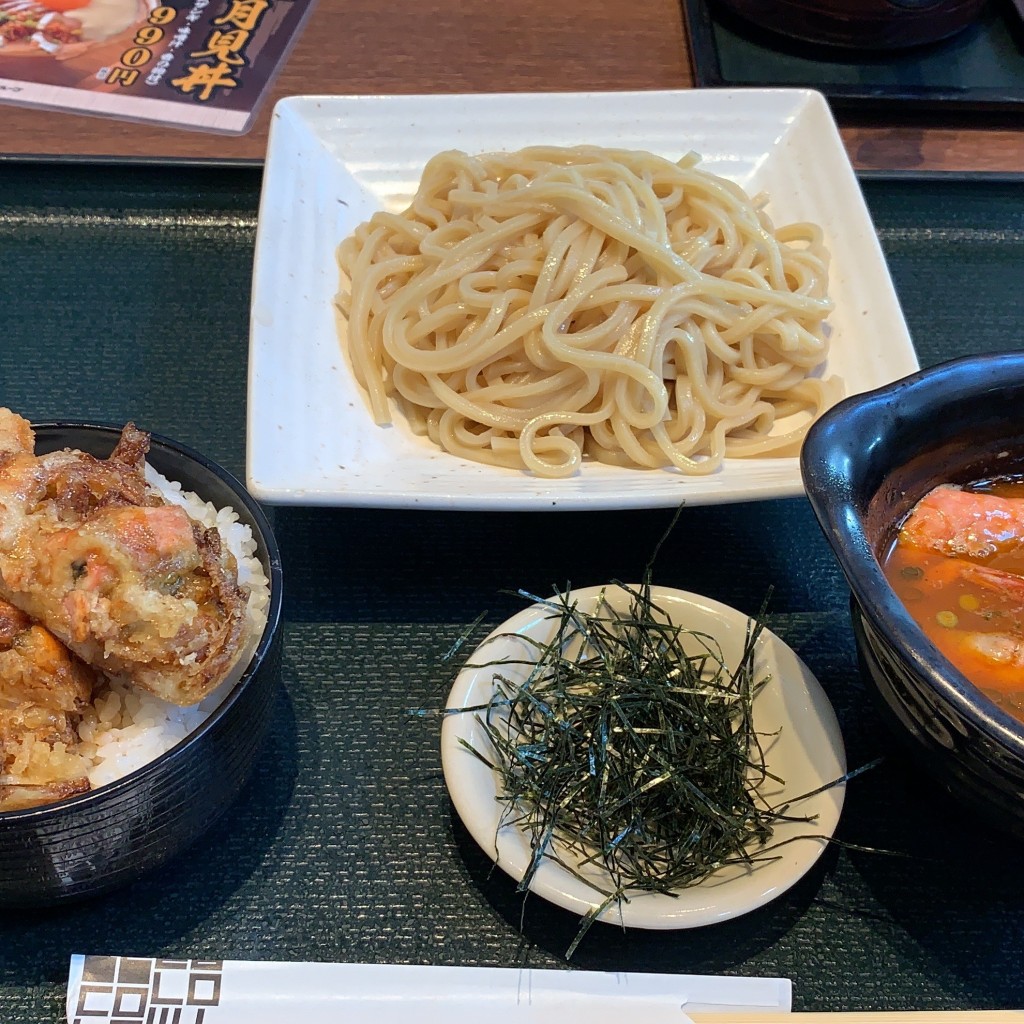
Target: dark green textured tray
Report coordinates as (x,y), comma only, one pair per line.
(126,295)
(979,70)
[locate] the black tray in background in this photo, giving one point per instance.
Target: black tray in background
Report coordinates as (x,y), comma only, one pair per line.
(981,69)
(126,294)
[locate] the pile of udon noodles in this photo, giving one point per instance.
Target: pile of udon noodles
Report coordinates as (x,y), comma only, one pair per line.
(529,308)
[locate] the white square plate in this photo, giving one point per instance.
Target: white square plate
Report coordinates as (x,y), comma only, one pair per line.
(333,160)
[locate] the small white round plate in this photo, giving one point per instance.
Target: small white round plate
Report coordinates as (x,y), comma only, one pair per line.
(806,753)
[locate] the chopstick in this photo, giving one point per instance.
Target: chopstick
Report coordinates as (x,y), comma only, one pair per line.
(874,1017)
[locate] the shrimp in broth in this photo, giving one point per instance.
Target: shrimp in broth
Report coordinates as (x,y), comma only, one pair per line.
(958,566)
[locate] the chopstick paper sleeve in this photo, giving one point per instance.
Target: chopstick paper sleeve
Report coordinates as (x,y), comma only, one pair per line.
(144,990)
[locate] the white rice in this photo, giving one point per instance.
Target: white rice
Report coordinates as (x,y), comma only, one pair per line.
(128,727)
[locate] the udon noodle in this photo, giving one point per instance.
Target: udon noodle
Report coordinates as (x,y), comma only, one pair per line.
(531,308)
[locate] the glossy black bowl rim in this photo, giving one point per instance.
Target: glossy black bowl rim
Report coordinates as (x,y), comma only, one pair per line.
(938,384)
(265,538)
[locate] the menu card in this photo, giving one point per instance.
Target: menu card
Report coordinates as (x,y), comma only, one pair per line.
(141,990)
(202,64)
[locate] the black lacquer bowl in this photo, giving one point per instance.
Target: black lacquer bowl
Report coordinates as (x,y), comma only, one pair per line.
(865,464)
(107,838)
(871,25)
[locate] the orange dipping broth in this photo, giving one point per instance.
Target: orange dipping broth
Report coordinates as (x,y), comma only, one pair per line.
(952,609)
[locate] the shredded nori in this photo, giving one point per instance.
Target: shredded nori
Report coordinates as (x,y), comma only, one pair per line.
(631,745)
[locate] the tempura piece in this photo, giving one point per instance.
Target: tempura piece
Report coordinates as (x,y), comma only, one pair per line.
(43,690)
(130,583)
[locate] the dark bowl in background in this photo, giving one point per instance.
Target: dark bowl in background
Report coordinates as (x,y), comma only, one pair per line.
(860,24)
(865,464)
(109,837)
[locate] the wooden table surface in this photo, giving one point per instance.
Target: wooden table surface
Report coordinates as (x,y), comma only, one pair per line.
(408,46)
